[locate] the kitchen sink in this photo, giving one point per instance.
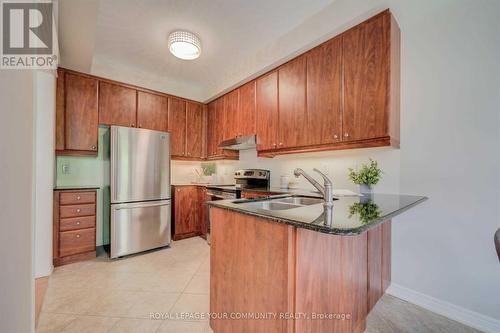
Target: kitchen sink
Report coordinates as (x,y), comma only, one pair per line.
(302,201)
(281,203)
(270,205)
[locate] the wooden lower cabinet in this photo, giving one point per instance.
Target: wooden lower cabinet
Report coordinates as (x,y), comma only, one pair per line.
(74,226)
(202,211)
(185,212)
(308,272)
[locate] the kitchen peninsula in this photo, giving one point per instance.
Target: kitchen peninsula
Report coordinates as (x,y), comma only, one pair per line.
(277,256)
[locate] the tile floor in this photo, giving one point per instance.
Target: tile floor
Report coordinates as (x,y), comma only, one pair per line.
(119,296)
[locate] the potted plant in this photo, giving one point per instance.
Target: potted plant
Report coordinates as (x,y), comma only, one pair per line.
(366,176)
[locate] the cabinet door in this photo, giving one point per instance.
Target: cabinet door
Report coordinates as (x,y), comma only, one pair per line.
(211,130)
(245,122)
(230,129)
(177,126)
(202,211)
(292,104)
(152,111)
(324,117)
(267,111)
(185,210)
(117,105)
(220,122)
(194,121)
(81,116)
(60,110)
(366,73)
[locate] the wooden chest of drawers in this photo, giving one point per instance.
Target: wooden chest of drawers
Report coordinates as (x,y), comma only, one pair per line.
(74,226)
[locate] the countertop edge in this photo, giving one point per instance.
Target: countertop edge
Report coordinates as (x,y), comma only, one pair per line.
(318,227)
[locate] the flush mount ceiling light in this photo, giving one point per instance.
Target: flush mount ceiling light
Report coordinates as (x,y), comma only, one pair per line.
(184,45)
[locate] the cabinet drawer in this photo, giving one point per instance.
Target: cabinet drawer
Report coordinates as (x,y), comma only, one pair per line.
(75,198)
(74,223)
(77,210)
(77,241)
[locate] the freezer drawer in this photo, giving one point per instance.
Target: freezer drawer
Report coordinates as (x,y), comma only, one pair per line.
(140,226)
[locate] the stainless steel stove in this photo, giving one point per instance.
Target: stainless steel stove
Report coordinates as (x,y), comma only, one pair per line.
(245,179)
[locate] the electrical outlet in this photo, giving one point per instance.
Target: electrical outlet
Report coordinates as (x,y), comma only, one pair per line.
(66,169)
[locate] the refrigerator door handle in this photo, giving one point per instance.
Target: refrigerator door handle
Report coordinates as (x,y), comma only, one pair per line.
(142,204)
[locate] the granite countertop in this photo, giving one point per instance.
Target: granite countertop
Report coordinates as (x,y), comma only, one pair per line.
(77,187)
(352,215)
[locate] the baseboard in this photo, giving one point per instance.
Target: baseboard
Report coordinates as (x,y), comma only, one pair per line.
(457,313)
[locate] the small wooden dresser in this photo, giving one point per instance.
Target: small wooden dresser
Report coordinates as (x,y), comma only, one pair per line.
(74,225)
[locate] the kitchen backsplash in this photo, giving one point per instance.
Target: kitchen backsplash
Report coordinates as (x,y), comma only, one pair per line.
(335,164)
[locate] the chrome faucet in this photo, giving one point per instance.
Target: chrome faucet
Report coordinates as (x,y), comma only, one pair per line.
(326,191)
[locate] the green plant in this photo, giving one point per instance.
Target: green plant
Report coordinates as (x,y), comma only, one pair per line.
(367,211)
(367,174)
(208,168)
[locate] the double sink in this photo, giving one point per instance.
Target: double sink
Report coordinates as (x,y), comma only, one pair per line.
(281,203)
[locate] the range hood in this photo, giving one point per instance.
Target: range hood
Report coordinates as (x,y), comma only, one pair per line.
(239,143)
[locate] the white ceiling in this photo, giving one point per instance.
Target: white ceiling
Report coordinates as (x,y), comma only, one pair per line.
(130,39)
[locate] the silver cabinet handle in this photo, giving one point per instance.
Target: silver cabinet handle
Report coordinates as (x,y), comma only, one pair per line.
(346,135)
(78,198)
(77,236)
(281,143)
(78,210)
(335,136)
(77,223)
(93,147)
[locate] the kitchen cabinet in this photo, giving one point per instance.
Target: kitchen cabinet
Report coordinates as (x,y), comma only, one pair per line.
(194,131)
(267,111)
(245,121)
(152,111)
(211,129)
(324,84)
(74,226)
(215,129)
(366,51)
(81,113)
(60,106)
(177,126)
(185,212)
(292,104)
(202,211)
(117,105)
(230,128)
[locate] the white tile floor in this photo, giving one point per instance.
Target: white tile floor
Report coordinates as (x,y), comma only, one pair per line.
(119,296)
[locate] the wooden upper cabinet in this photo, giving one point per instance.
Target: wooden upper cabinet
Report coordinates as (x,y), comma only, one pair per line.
(292,104)
(194,121)
(177,126)
(267,111)
(366,53)
(152,111)
(220,122)
(81,114)
(324,94)
(231,101)
(246,110)
(117,105)
(211,129)
(60,106)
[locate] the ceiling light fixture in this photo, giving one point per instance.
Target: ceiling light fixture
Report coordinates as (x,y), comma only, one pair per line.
(184,45)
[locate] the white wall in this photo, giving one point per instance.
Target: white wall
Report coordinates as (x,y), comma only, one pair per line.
(450,147)
(16,202)
(45,91)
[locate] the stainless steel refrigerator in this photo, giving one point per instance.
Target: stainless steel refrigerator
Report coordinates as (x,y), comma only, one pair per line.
(140,190)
